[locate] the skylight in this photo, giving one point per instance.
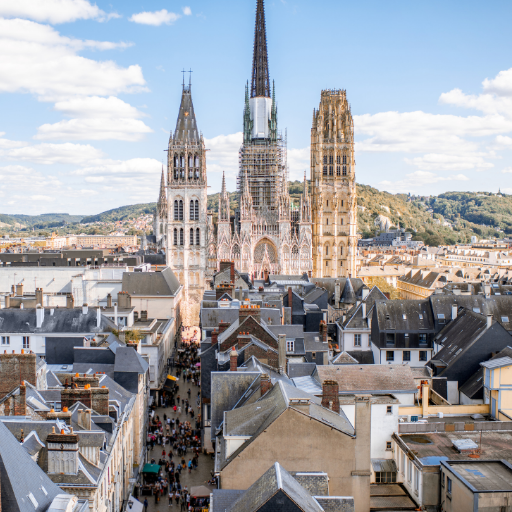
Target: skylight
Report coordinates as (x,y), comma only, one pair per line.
(504,319)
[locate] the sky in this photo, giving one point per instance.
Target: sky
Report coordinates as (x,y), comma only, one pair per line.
(90,91)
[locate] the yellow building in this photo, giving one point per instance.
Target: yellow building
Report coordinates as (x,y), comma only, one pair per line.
(498,387)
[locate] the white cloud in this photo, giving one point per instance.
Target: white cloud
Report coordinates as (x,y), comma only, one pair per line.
(52,11)
(298,162)
(155,18)
(7,144)
(501,84)
(507,170)
(111,169)
(49,154)
(223,156)
(436,161)
(502,142)
(94,129)
(187,11)
(97,107)
(37,59)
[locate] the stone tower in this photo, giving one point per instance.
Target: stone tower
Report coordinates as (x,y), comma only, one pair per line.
(334,208)
(187,202)
(266,232)
(160,222)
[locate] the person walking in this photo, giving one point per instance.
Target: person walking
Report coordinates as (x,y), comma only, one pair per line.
(146,505)
(171,496)
(189,465)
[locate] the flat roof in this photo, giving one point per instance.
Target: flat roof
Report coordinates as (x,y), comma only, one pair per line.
(483,475)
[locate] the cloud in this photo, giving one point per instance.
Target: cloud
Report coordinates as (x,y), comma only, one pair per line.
(49,154)
(223,156)
(507,170)
(38,60)
(501,84)
(436,161)
(417,181)
(97,107)
(111,169)
(156,18)
(187,11)
(7,144)
(52,11)
(298,162)
(502,142)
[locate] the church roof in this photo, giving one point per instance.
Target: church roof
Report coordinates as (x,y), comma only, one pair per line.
(186,125)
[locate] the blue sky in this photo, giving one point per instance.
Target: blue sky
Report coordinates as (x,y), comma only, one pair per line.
(89,92)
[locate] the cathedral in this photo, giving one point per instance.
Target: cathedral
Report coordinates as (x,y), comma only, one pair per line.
(266,231)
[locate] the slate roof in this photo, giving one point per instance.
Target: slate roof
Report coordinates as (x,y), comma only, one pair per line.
(497,363)
(344,358)
(348,295)
(186,125)
(20,476)
(329,284)
(270,483)
(159,284)
(128,360)
(404,316)
(499,306)
(63,320)
(224,498)
(300,369)
(362,356)
(316,483)
(368,378)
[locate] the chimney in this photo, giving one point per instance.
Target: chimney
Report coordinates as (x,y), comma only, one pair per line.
(487,290)
(282,353)
(243,339)
(232,272)
(100,398)
(144,316)
(68,397)
(301,404)
(16,368)
(215,335)
(20,402)
(39,296)
(224,288)
(85,309)
(323,331)
(70,301)
(124,300)
(337,292)
(290,301)
(330,395)
(19,290)
(240,298)
(109,301)
(363,441)
(64,415)
(84,419)
(455,308)
(223,326)
(115,313)
(265,383)
(363,309)
(62,453)
(489,321)
(7,301)
(135,316)
(365,293)
(98,318)
(85,378)
(249,310)
(233,360)
(39,316)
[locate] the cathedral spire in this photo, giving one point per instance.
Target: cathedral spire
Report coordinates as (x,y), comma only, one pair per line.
(260,78)
(186,125)
(306,193)
(223,191)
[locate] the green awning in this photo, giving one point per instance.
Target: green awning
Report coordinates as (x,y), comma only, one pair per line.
(151,468)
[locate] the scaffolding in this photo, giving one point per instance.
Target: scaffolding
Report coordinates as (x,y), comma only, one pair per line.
(263,162)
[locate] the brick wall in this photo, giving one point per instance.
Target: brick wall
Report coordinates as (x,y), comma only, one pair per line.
(100,400)
(15,405)
(330,395)
(252,326)
(270,357)
(16,368)
(68,397)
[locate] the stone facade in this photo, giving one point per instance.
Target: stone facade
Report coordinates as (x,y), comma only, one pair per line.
(182,231)
(333,187)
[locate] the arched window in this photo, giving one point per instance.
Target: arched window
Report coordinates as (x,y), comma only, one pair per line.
(341,250)
(331,159)
(330,170)
(327,250)
(197,161)
(181,236)
(338,159)
(180,207)
(176,211)
(344,170)
(325,159)
(338,170)
(344,159)
(325,170)
(176,161)
(192,216)
(175,236)
(191,236)
(197,210)
(198,237)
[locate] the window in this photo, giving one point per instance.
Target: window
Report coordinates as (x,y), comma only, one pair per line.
(409,471)
(389,409)
(407,355)
(422,339)
(448,485)
(338,159)
(421,316)
(192,214)
(325,159)
(181,237)
(385,477)
(26,341)
(327,250)
(338,170)
(390,338)
(327,222)
(344,159)
(440,318)
(176,214)
(330,170)
(198,236)
(476,310)
(416,480)
(290,345)
(344,170)
(423,355)
(403,463)
(180,208)
(325,170)
(357,340)
(6,340)
(388,445)
(197,209)
(504,319)
(390,355)
(175,236)
(191,236)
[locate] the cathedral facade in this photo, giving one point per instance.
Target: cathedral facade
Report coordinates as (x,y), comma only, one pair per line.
(265,231)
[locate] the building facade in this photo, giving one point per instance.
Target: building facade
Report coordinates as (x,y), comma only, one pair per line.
(266,232)
(333,189)
(185,219)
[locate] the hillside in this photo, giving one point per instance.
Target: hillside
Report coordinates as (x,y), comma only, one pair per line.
(449,218)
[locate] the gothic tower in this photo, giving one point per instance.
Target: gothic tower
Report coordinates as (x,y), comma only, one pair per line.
(160,222)
(187,202)
(333,191)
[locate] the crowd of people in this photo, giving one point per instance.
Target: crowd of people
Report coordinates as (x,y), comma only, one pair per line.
(178,441)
